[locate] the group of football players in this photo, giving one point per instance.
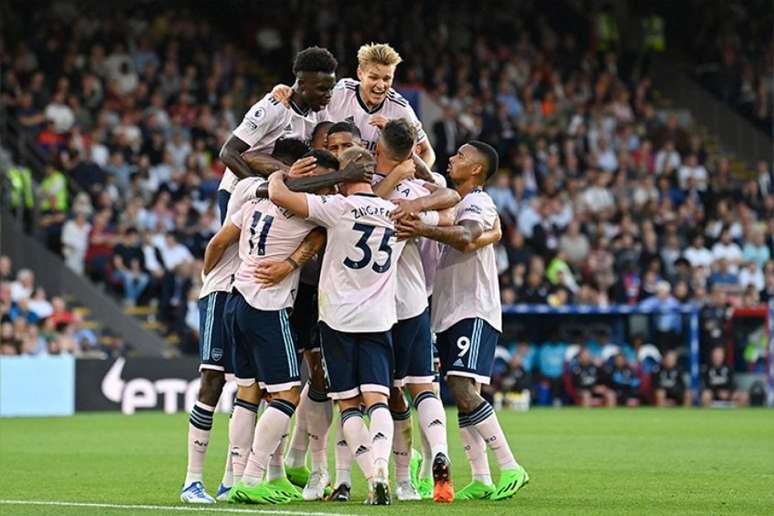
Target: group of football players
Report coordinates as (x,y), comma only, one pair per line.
(340,249)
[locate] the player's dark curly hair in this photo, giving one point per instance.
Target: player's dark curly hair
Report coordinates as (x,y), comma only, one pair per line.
(490,156)
(315,59)
(324,158)
(288,150)
(325,125)
(399,136)
(344,127)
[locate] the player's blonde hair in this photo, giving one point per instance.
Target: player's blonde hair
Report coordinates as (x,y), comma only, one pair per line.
(379,54)
(354,154)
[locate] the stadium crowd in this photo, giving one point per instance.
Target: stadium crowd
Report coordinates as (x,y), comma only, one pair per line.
(735,50)
(34,323)
(602,198)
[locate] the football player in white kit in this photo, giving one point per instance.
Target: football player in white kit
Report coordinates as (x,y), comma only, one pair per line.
(214,348)
(412,338)
(370,102)
(467,319)
(268,120)
(257,321)
(357,275)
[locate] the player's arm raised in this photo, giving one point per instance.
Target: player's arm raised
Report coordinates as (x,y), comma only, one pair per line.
(459,236)
(262,163)
(227,235)
(388,183)
(353,172)
(422,172)
(281,195)
(231,156)
(270,273)
(440,198)
(426,152)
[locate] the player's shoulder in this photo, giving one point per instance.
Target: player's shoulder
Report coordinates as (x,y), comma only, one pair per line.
(438,179)
(327,199)
(477,196)
(266,106)
(347,84)
(396,98)
(245,188)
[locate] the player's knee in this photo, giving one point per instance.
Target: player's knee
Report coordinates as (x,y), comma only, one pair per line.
(397,400)
(415,389)
(211,386)
(251,394)
(464,392)
(372,398)
(349,403)
(291,395)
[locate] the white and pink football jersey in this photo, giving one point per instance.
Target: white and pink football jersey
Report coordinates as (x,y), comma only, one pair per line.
(347,104)
(221,277)
(268,121)
(411,293)
(357,280)
(466,284)
(268,232)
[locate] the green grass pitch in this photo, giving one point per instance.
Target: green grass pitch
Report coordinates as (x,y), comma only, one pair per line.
(641,461)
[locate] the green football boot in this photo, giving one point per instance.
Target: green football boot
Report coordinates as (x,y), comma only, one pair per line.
(511,480)
(414,466)
(425,488)
(259,494)
(476,490)
(285,487)
(298,476)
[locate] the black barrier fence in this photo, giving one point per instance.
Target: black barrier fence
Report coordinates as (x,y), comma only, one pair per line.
(136,384)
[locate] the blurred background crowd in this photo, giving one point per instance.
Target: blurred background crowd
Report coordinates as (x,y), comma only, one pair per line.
(604,197)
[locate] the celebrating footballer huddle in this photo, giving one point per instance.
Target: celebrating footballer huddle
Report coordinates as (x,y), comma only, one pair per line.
(341,249)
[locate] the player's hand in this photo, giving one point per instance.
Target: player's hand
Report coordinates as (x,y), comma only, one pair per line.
(405,169)
(303,167)
(378,121)
(270,273)
(405,208)
(409,227)
(277,176)
(357,171)
(282,94)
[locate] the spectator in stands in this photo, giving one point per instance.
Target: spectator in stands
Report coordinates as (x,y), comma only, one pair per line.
(724,277)
(39,305)
(698,255)
(24,285)
(75,240)
(129,266)
(727,249)
(668,383)
(667,159)
(691,170)
(624,382)
(667,323)
(100,248)
(589,382)
(755,249)
(718,382)
(6,272)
